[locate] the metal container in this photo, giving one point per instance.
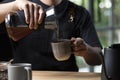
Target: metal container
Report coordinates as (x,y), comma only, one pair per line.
(111,64)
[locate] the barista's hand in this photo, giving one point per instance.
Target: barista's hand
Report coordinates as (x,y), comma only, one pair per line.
(79,46)
(34,13)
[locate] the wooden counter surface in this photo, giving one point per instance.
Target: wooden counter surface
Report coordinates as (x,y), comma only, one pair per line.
(57,75)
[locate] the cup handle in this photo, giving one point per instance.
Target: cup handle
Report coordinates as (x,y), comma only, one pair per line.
(29,73)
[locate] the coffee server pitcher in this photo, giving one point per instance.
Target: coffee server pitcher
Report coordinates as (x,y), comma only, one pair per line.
(17,27)
(111,62)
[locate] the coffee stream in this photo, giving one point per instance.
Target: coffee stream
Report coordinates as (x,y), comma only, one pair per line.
(54,25)
(57,38)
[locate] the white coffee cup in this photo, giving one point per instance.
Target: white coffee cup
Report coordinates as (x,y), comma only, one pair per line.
(19,71)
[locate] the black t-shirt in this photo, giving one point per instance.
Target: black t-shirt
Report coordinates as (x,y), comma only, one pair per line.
(36,49)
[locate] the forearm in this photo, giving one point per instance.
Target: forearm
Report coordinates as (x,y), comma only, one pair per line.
(7,8)
(92,55)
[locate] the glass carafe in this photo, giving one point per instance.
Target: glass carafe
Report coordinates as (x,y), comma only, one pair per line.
(17,27)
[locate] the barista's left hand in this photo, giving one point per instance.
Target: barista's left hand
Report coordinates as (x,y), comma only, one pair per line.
(79,46)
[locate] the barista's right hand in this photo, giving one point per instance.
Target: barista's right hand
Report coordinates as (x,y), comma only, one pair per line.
(34,13)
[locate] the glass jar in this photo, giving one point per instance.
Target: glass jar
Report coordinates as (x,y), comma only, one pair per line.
(17,27)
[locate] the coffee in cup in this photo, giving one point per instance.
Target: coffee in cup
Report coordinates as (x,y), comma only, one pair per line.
(61,49)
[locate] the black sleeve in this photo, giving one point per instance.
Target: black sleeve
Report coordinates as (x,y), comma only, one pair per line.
(5,1)
(1,0)
(87,28)
(5,46)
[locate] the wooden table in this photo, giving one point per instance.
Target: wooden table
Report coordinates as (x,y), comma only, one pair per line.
(57,75)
